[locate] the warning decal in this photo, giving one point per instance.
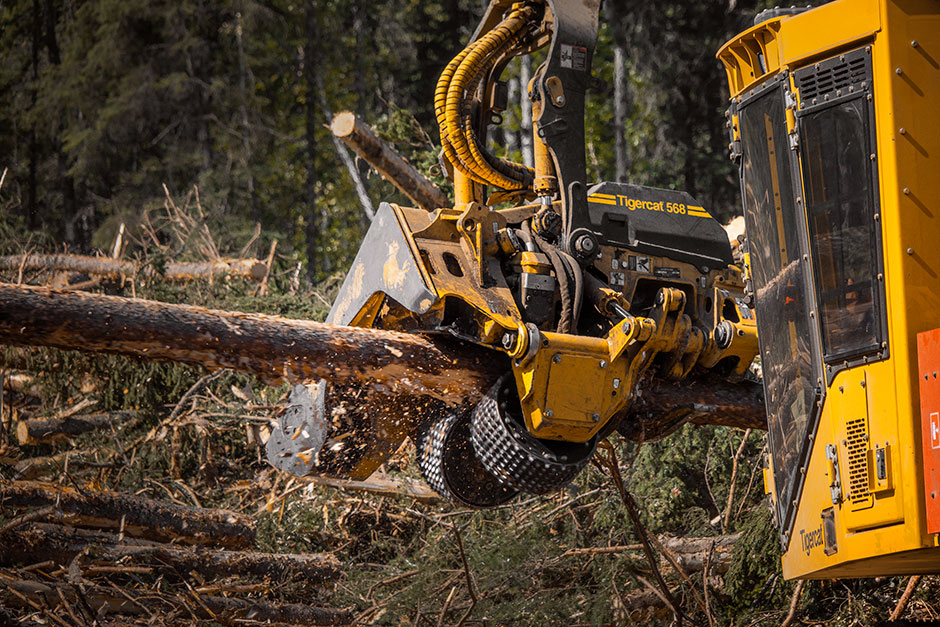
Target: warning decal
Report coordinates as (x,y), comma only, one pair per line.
(573,57)
(639,264)
(935,430)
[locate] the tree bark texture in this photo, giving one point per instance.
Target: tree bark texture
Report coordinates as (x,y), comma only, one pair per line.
(384,368)
(251,269)
(689,553)
(34,430)
(275,349)
(391,165)
(104,600)
(661,407)
(141,517)
(38,542)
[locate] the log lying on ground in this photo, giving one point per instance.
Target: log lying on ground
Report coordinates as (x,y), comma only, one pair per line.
(275,349)
(251,269)
(142,517)
(388,365)
(358,136)
(38,542)
(34,430)
(106,600)
(33,467)
(689,553)
(382,485)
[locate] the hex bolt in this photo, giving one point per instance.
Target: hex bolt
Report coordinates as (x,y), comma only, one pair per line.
(596,417)
(585,244)
(902,131)
(603,364)
(508,340)
(910,251)
(549,413)
(899,71)
(556,358)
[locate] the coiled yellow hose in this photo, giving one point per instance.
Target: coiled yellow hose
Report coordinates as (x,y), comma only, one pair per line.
(461,77)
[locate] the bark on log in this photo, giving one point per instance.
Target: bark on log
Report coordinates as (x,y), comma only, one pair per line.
(377,484)
(34,430)
(661,407)
(38,542)
(275,349)
(103,600)
(251,269)
(373,373)
(142,517)
(358,136)
(689,552)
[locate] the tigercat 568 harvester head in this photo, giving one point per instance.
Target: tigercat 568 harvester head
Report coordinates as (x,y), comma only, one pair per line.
(579,289)
(585,291)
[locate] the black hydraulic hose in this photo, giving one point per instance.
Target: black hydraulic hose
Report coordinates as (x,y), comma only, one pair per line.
(565,287)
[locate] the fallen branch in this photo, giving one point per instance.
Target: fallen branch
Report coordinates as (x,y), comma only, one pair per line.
(690,553)
(391,165)
(141,517)
(905,597)
(35,430)
(381,485)
(794,604)
(103,600)
(33,467)
(38,542)
(250,269)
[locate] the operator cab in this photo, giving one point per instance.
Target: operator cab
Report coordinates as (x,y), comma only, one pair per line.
(815,106)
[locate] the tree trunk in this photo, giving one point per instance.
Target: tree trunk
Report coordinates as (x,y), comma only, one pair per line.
(38,542)
(114,269)
(310,61)
(525,134)
(276,349)
(392,166)
(620,113)
(140,517)
(35,430)
(385,368)
(106,600)
(662,407)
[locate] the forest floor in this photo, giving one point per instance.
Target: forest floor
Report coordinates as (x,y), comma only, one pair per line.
(385,551)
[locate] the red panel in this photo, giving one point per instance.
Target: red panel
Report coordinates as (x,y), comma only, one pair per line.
(928,361)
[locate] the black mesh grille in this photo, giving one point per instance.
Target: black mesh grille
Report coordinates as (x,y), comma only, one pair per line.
(857,441)
(833,78)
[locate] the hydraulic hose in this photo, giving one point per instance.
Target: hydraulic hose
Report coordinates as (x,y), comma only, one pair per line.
(460,78)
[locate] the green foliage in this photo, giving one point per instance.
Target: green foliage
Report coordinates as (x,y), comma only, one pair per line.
(755,579)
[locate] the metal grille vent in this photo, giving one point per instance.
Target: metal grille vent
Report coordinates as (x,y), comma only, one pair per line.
(856,432)
(833,78)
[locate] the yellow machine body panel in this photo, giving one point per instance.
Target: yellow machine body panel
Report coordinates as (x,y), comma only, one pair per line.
(855,498)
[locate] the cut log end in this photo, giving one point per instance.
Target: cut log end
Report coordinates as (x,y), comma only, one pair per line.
(343,124)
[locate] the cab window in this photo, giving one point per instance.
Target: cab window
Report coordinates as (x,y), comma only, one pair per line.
(840,207)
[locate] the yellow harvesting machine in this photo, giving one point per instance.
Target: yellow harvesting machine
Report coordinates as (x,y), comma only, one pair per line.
(835,126)
(585,290)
